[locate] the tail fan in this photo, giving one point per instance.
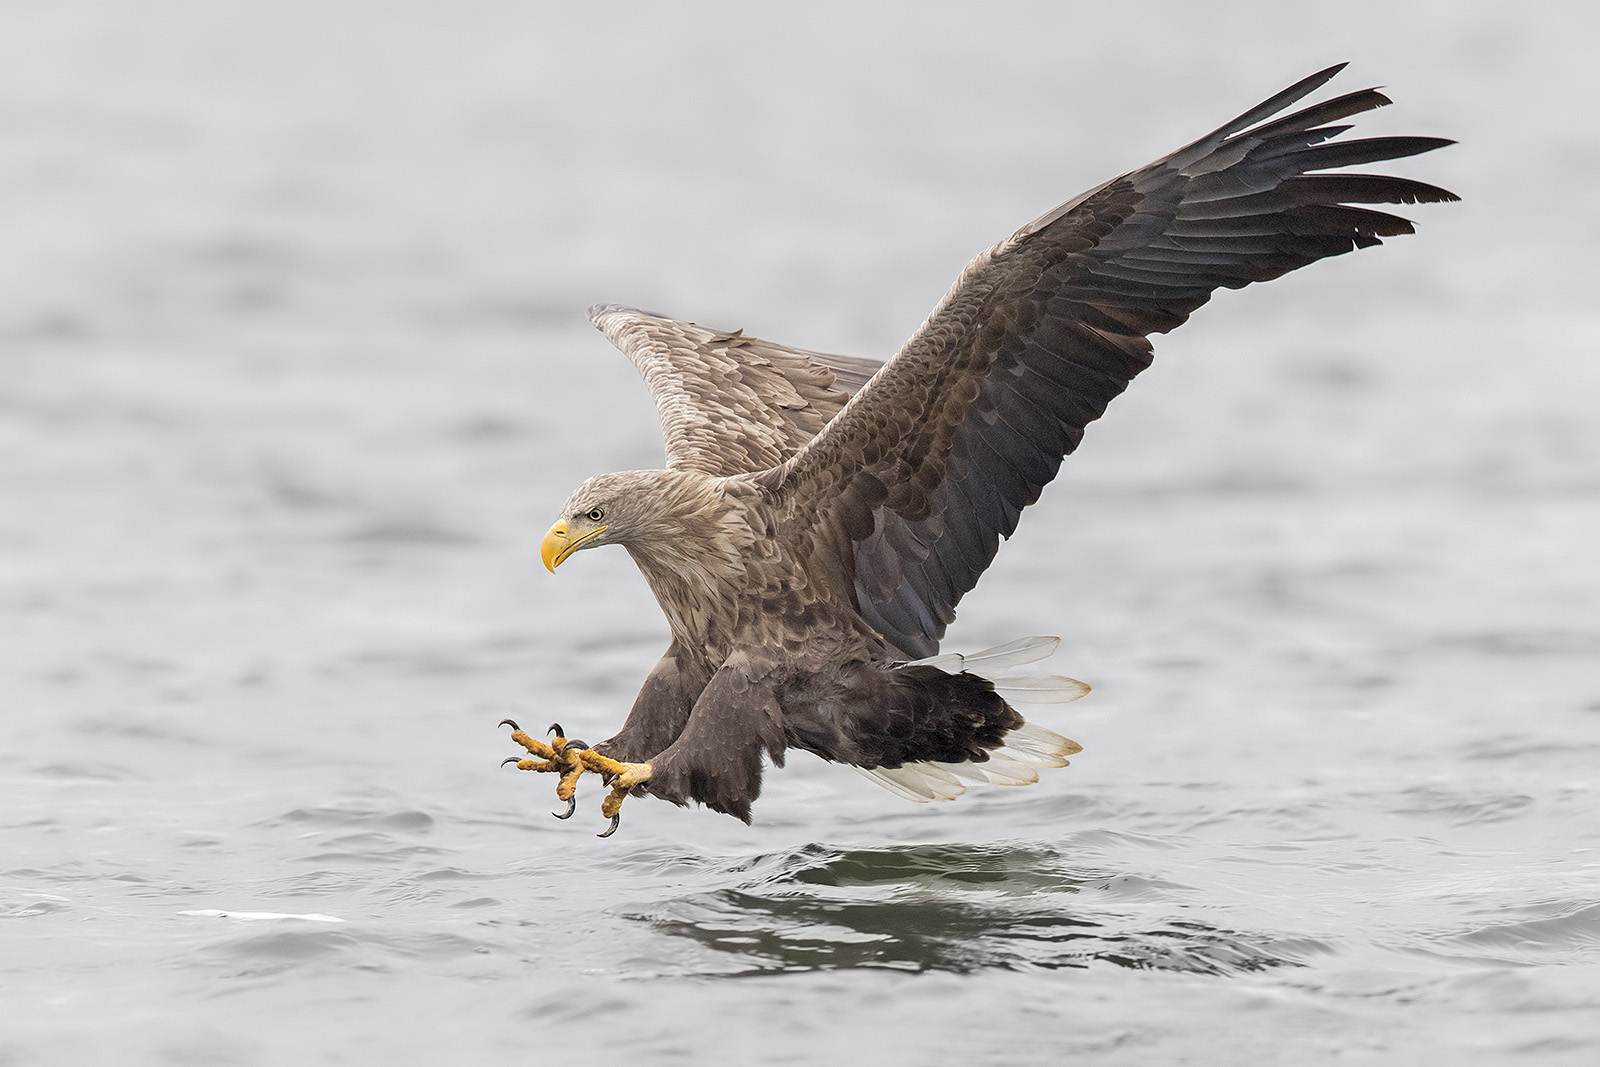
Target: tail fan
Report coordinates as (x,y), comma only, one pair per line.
(1024,750)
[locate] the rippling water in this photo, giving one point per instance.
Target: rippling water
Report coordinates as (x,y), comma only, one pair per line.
(295,373)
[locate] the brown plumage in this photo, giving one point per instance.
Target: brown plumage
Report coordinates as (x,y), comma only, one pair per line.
(821,516)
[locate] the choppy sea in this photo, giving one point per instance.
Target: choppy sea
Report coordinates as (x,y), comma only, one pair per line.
(294,373)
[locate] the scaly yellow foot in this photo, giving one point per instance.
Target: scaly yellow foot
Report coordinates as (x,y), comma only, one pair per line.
(626,776)
(570,758)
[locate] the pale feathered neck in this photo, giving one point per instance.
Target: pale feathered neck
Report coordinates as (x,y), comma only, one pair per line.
(693,534)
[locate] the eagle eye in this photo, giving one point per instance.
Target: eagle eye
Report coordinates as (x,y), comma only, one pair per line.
(595,514)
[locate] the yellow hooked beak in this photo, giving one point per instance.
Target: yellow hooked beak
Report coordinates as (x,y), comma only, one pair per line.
(559,543)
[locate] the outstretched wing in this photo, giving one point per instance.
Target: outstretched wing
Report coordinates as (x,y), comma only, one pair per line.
(730,404)
(932,463)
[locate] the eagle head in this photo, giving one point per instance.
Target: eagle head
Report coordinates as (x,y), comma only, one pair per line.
(625,508)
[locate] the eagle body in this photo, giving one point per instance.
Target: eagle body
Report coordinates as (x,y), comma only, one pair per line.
(820,516)
(763,656)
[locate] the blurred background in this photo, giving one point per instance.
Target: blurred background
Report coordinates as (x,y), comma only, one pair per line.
(294,372)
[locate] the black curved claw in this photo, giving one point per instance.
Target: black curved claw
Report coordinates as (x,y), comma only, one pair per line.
(511,723)
(572,743)
(555,728)
(572,806)
(615,821)
(510,759)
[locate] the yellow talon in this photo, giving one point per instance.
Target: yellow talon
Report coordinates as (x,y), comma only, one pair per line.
(530,764)
(537,747)
(570,759)
(627,775)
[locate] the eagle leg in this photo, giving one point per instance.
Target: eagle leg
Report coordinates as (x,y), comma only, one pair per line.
(570,758)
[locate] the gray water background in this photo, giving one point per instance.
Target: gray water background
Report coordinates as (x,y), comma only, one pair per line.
(295,373)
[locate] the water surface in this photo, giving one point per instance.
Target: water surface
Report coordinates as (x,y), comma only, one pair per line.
(296,373)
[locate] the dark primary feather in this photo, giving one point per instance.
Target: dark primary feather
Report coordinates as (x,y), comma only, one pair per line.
(933,462)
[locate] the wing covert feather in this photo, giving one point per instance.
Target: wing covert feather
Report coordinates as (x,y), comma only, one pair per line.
(730,404)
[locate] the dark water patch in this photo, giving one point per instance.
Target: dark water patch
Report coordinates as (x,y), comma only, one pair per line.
(949,935)
(1530,642)
(407,531)
(1363,983)
(1366,683)
(574,1009)
(52,327)
(295,494)
(92,769)
(1576,930)
(1005,869)
(1519,747)
(1330,374)
(205,842)
(253,297)
(370,849)
(133,729)
(491,429)
(956,909)
(1461,808)
(407,821)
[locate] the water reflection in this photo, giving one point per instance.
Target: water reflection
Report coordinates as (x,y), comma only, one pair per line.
(955,908)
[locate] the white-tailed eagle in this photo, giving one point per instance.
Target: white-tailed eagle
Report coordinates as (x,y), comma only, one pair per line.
(820,516)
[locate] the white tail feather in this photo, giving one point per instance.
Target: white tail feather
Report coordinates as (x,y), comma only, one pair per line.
(1011,654)
(1039,689)
(997,770)
(1039,747)
(880,777)
(1025,748)
(917,782)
